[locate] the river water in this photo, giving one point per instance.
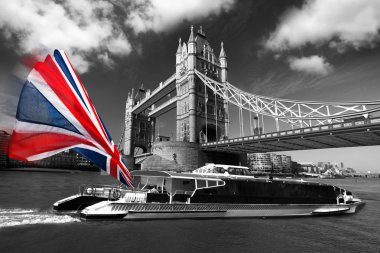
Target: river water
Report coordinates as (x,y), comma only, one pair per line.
(28,224)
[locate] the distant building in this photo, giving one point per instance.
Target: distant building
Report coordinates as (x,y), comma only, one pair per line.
(4,142)
(276,162)
(286,162)
(269,163)
(309,167)
(65,160)
(259,162)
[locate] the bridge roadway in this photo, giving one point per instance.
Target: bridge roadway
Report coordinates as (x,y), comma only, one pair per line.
(347,134)
(165,88)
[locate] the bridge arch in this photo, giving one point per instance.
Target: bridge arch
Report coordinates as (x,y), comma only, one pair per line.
(140,149)
(210,132)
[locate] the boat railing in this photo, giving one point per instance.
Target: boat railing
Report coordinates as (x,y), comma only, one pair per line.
(103,191)
(135,197)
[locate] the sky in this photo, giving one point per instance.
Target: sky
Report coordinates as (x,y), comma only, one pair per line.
(325,50)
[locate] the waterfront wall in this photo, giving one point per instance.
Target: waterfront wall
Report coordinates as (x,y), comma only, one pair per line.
(186,156)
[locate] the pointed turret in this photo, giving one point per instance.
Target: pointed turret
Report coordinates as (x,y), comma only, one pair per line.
(223,64)
(191,38)
(191,50)
(222,52)
(179,50)
(201,32)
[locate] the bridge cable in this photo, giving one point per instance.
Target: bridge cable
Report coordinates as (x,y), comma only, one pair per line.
(228,119)
(250,122)
(258,124)
(216,117)
(206,98)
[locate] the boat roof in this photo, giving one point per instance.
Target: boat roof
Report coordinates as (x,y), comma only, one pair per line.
(171,174)
(218,177)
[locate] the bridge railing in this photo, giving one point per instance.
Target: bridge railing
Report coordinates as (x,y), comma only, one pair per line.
(335,126)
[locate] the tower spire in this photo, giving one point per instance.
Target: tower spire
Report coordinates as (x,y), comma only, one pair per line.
(191,38)
(201,32)
(222,52)
(179,50)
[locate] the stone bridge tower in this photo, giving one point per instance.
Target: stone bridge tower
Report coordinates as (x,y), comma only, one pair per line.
(139,128)
(201,116)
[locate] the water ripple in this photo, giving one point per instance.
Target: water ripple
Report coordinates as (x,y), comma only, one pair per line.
(18,217)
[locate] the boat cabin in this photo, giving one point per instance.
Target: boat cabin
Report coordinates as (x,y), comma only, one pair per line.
(169,187)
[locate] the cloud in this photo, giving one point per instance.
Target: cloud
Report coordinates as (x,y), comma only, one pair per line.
(161,15)
(313,65)
(83,28)
(93,31)
(339,23)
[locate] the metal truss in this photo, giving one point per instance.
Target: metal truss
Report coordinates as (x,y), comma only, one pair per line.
(296,113)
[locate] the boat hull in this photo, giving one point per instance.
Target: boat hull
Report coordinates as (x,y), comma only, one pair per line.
(76,203)
(138,211)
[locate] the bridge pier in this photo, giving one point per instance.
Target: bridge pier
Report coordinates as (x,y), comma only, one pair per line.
(186,156)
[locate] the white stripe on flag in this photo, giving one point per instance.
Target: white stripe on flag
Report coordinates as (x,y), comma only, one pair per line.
(92,114)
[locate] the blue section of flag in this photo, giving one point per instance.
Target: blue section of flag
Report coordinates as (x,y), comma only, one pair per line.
(94,157)
(33,107)
(61,62)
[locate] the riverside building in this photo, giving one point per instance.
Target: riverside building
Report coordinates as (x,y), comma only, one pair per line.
(286,162)
(276,162)
(269,162)
(260,162)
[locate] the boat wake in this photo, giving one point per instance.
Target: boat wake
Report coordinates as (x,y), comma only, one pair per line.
(18,217)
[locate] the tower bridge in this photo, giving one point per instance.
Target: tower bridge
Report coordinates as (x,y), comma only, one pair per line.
(200,92)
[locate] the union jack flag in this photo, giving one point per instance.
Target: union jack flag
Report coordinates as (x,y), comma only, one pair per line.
(55,113)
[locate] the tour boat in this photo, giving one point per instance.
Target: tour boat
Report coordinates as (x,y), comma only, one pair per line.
(212,191)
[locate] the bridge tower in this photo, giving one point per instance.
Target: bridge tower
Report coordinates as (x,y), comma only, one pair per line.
(139,128)
(201,114)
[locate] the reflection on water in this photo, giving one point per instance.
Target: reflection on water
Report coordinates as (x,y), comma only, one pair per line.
(28,223)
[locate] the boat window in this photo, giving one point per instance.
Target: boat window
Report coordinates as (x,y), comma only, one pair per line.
(174,185)
(211,183)
(137,182)
(237,171)
(220,170)
(221,183)
(246,173)
(232,171)
(201,183)
(148,183)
